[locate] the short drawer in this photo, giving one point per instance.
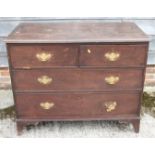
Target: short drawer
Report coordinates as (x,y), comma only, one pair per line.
(113,55)
(43,55)
(77,79)
(76,104)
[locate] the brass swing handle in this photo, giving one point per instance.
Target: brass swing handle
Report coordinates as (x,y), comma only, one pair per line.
(44,56)
(47,105)
(112,80)
(112,56)
(45,80)
(110,106)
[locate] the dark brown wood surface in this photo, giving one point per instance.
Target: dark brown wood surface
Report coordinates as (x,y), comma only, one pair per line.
(78,88)
(77,79)
(69,32)
(76,55)
(130,55)
(82,104)
(24,56)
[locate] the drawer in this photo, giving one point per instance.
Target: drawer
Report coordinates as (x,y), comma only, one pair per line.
(113,55)
(77,79)
(43,55)
(50,105)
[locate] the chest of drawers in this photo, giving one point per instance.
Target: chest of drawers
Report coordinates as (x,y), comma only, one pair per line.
(77,71)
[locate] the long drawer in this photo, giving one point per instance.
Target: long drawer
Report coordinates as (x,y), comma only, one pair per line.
(77,79)
(48,105)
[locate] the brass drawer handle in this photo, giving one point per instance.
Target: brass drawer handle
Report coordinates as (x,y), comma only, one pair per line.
(112,80)
(112,56)
(110,106)
(47,105)
(44,56)
(45,80)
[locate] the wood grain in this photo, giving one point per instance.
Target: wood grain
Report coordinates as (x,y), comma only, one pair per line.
(24,56)
(73,32)
(77,79)
(81,104)
(130,55)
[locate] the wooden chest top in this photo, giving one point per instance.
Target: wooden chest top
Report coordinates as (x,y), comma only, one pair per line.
(76,32)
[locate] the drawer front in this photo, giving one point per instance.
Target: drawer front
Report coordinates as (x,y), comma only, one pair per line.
(77,79)
(44,55)
(82,104)
(113,55)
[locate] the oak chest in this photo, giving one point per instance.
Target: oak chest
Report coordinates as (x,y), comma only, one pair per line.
(77,71)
